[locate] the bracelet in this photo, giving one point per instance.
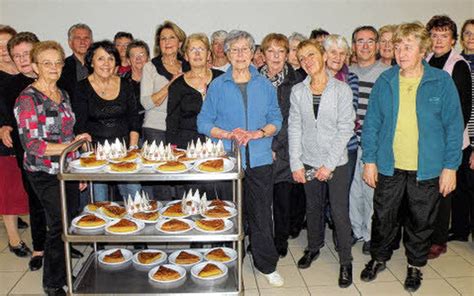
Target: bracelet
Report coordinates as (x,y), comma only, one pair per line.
(263,132)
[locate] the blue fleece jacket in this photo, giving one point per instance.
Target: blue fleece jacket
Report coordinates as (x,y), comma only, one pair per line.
(439,117)
(224,108)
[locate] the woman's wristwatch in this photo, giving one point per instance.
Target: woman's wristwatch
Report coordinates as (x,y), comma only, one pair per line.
(263,132)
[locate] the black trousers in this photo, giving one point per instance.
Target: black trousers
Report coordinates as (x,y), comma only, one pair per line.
(258,187)
(298,207)
(46,187)
(285,198)
(37,216)
(422,203)
(462,221)
(337,189)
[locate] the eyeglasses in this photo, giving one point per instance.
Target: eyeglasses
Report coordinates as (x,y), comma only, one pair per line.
(362,42)
(138,55)
(23,55)
(197,49)
(51,64)
(468,34)
(236,50)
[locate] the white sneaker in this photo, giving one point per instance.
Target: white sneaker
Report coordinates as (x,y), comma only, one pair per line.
(274,279)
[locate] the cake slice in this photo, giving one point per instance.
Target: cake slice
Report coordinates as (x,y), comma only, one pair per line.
(174,210)
(172,166)
(115,212)
(124,225)
(217,212)
(123,167)
(211,224)
(90,221)
(218,255)
(148,257)
(166,274)
(97,205)
(214,165)
(175,225)
(210,270)
(147,216)
(115,257)
(187,258)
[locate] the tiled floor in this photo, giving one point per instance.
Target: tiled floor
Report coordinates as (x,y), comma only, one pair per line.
(452,274)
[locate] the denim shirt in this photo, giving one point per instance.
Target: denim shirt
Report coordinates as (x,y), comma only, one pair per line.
(224,108)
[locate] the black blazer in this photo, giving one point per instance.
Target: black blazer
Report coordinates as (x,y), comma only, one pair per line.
(68,80)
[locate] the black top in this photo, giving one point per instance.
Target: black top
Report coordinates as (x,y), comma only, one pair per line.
(10,87)
(136,92)
(462,79)
(281,166)
(161,69)
(105,119)
(68,80)
(184,105)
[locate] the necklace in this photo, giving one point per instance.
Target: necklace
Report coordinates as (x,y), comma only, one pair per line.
(102,87)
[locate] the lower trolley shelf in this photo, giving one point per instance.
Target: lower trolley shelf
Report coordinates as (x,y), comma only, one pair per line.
(94,278)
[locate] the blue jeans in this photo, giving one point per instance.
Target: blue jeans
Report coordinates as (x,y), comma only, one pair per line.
(101,190)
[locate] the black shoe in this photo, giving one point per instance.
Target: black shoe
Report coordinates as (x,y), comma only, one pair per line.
(76,254)
(345,276)
(22,224)
(371,269)
(282,252)
(36,262)
(21,250)
(354,240)
(459,238)
(55,291)
(366,248)
(307,259)
(413,279)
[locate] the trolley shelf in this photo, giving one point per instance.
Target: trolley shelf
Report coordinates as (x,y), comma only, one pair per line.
(96,279)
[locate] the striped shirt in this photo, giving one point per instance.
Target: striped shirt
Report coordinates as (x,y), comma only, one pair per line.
(470,124)
(367,77)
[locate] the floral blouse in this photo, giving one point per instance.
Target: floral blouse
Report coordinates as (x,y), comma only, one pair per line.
(41,121)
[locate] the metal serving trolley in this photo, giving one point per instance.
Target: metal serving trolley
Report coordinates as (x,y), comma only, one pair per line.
(95,279)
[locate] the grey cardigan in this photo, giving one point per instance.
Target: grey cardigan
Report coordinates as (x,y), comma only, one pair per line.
(322,141)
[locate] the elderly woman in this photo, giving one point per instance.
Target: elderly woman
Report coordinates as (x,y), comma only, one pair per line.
(187,93)
(241,105)
(411,140)
(157,77)
(13,199)
(219,60)
(121,42)
(444,35)
(385,44)
(138,54)
(19,48)
(462,221)
(45,122)
(295,39)
(320,124)
(106,107)
(275,48)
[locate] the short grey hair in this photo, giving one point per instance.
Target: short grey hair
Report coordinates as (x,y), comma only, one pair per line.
(297,37)
(337,41)
(219,35)
(78,26)
(235,35)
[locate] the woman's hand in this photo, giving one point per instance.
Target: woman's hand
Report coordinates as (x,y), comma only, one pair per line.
(83,136)
(5,135)
(240,136)
(298,176)
(323,174)
(447,182)
(82,186)
(370,175)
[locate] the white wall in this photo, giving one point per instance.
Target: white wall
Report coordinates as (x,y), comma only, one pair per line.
(50,19)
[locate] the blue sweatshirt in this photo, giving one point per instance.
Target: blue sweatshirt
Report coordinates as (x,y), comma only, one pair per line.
(224,108)
(439,117)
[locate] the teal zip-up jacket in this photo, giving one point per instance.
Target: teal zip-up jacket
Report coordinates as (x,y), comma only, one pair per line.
(224,108)
(439,117)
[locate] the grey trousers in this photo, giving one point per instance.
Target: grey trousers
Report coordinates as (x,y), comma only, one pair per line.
(361,202)
(337,187)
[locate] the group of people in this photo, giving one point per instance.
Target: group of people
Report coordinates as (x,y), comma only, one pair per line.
(372,138)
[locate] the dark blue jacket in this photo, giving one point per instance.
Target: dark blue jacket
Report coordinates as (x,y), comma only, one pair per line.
(439,117)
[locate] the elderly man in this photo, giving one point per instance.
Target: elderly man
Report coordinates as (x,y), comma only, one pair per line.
(79,40)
